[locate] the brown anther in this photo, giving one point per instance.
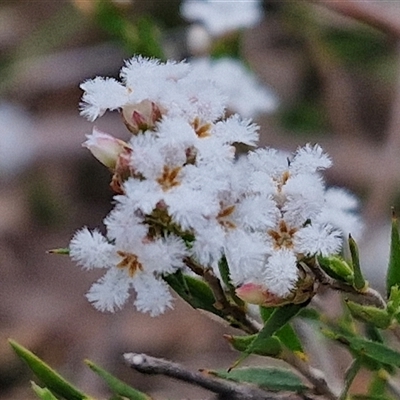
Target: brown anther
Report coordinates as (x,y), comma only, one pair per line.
(283,237)
(130,262)
(224,213)
(168,179)
(202,129)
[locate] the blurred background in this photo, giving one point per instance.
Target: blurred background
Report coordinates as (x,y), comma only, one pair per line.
(315,72)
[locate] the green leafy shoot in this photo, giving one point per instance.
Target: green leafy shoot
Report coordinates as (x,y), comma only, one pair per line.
(43,393)
(117,386)
(55,382)
(266,378)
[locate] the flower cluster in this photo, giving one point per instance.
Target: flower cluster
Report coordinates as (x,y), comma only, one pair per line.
(183,194)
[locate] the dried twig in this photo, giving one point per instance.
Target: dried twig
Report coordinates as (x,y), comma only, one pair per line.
(235,391)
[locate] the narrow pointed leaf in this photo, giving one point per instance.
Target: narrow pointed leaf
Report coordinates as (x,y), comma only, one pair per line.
(194,291)
(376,316)
(117,386)
(359,282)
(366,348)
(278,319)
(393,272)
(43,393)
(337,268)
(378,384)
(278,379)
(62,251)
(225,276)
(54,381)
(270,347)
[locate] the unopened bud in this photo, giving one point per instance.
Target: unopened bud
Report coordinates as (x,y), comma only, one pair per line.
(141,116)
(257,294)
(104,147)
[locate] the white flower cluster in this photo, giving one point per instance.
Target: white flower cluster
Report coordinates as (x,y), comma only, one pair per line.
(182,194)
(220,17)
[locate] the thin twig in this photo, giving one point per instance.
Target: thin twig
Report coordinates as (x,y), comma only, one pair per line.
(368,295)
(313,375)
(234,314)
(151,365)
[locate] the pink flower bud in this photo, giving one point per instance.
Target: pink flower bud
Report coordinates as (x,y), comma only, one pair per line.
(257,294)
(104,147)
(141,116)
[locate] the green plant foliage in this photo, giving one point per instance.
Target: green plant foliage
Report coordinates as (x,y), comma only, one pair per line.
(356,46)
(47,375)
(270,347)
(117,386)
(367,349)
(337,268)
(266,378)
(393,272)
(280,317)
(194,291)
(141,37)
(359,282)
(43,393)
(286,334)
(376,316)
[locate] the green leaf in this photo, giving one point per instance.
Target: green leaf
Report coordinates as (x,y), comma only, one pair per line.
(225,276)
(62,251)
(367,348)
(378,384)
(337,268)
(43,393)
(393,272)
(359,282)
(194,291)
(117,386)
(270,347)
(267,378)
(376,316)
(55,382)
(393,304)
(286,334)
(278,319)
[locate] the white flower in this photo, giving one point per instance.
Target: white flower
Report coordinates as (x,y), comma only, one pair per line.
(133,261)
(91,250)
(280,274)
(222,16)
(245,94)
(100,95)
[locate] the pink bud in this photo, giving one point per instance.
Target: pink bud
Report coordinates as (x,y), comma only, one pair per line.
(141,116)
(104,147)
(257,294)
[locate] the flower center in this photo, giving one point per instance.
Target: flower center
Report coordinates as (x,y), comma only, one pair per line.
(202,129)
(130,262)
(169,178)
(223,215)
(283,236)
